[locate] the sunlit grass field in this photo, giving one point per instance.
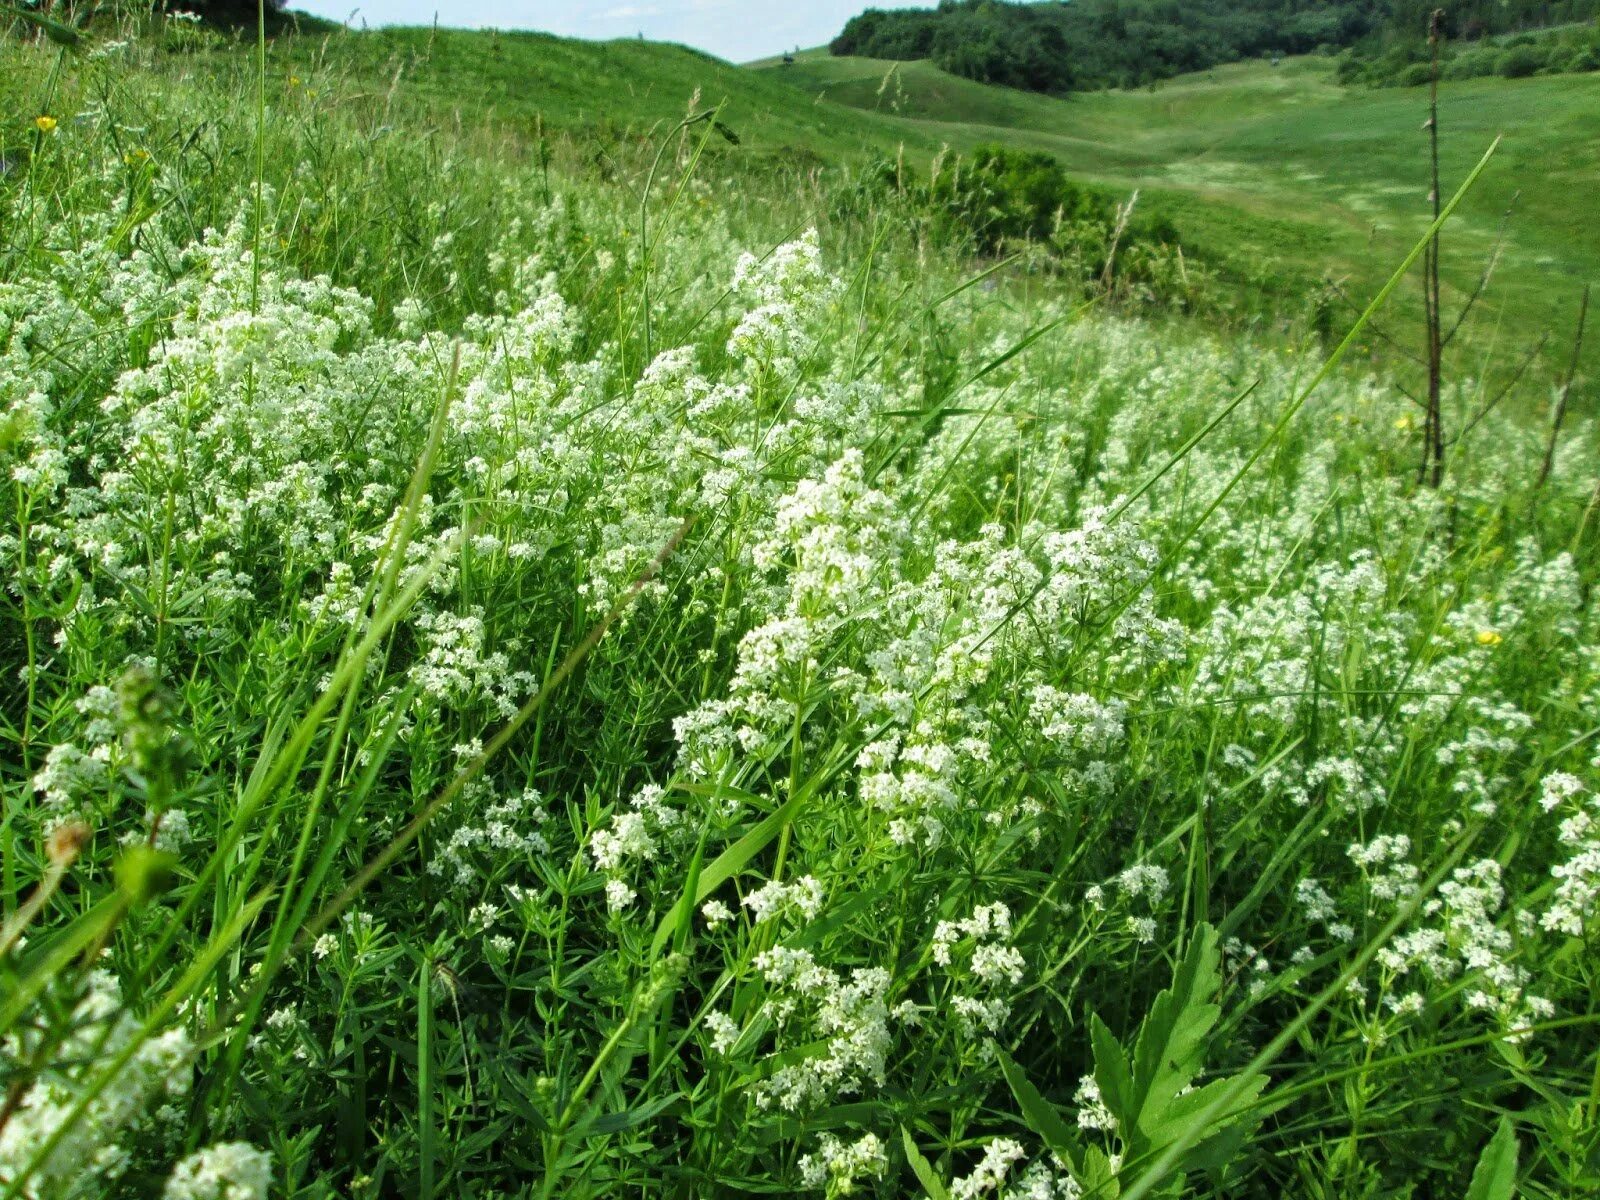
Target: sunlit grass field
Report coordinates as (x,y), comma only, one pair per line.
(1282,166)
(557,649)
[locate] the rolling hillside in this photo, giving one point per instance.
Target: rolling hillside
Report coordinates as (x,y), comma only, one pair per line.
(1279,172)
(1282,166)
(600,88)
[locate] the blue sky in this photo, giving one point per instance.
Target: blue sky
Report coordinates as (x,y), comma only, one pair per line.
(738,30)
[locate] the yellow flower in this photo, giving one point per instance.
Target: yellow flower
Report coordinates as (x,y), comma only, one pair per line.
(1488,637)
(1403,423)
(294,81)
(134,157)
(45,124)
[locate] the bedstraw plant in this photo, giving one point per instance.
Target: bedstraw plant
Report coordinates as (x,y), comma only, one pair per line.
(513,691)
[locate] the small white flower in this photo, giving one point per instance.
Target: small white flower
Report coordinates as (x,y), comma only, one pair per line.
(226,1171)
(990,1173)
(1092,1110)
(618,895)
(724,1031)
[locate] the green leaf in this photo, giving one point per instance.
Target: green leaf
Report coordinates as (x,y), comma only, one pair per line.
(143,873)
(691,888)
(1152,1099)
(1217,1152)
(61,35)
(513,1092)
(1181,1118)
(1112,1074)
(427,1132)
(923,1169)
(728,864)
(1039,1114)
(1495,1177)
(616,1122)
(1098,1176)
(773,1063)
(49,957)
(1169,1052)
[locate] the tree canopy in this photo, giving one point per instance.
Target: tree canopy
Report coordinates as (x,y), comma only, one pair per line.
(1086,44)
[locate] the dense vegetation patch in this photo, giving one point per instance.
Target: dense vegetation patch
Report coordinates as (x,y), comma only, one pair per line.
(1000,200)
(1099,43)
(1087,44)
(541,677)
(1408,62)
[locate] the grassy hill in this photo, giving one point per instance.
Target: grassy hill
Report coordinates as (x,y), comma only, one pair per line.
(606,89)
(1283,166)
(1280,170)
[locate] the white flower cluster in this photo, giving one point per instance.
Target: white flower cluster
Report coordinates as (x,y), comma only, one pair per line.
(846,1013)
(454,664)
(963,630)
(505,828)
(838,1167)
(1247,964)
(69,773)
(1264,656)
(1384,861)
(633,836)
(991,964)
(1458,936)
(1319,907)
(1145,883)
(225,1171)
(833,539)
(1092,1110)
(1574,909)
(88,1150)
(789,289)
(1045,1179)
(999,1156)
(774,898)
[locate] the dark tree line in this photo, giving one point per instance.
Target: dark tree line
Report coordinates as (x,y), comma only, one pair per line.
(1085,44)
(1467,20)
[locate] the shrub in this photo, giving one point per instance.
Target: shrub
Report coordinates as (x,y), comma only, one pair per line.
(1000,193)
(1586,58)
(1520,61)
(1471,64)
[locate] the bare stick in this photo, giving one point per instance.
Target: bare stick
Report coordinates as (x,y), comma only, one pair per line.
(1431,471)
(1488,270)
(1502,393)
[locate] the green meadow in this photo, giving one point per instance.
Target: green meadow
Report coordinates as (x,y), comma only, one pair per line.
(1282,167)
(580,621)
